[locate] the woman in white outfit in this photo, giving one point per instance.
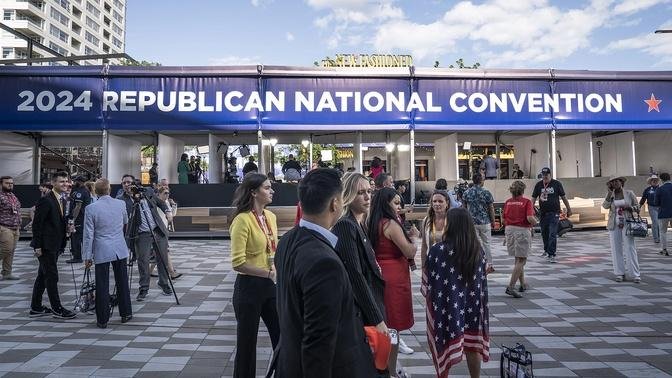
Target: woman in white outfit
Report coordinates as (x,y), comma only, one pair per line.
(621,204)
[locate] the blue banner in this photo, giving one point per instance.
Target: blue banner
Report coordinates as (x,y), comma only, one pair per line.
(616,105)
(484,105)
(350,103)
(244,98)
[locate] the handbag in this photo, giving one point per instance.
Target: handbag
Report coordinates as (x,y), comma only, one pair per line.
(87,293)
(564,226)
(637,227)
(515,362)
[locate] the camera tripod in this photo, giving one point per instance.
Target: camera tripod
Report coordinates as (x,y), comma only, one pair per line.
(132,235)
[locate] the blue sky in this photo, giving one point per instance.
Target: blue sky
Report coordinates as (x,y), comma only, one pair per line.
(561,34)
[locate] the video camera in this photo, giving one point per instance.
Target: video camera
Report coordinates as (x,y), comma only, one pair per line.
(460,188)
(137,190)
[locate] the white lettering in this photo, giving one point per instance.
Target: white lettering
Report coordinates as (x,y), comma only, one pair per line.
(110,99)
(145,98)
(228,104)
(186,102)
(453,102)
(481,99)
(302,101)
(127,103)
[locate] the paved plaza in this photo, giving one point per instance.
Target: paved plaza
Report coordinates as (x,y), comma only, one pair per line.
(576,320)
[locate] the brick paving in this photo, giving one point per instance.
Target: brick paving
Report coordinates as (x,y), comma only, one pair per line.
(576,320)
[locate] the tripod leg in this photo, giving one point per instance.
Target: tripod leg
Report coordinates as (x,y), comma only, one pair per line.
(161,261)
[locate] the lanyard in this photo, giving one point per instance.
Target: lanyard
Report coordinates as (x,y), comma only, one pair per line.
(268,232)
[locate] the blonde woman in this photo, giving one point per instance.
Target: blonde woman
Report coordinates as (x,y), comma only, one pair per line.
(435,222)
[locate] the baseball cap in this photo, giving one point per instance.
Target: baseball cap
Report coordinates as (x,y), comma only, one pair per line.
(546,171)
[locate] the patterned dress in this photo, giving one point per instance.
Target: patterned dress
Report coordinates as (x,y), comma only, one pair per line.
(457,308)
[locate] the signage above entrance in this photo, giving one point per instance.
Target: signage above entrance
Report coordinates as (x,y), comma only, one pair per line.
(363,60)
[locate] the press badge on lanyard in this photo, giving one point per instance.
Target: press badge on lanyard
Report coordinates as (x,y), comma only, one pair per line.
(270,242)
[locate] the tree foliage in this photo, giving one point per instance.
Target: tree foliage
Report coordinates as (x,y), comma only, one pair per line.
(459,64)
(142,63)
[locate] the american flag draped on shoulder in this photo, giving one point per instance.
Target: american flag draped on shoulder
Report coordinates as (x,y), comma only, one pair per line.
(457,310)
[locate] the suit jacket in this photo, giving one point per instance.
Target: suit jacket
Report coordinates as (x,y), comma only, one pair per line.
(321,333)
(49,224)
(664,200)
(154,203)
(104,222)
(359,259)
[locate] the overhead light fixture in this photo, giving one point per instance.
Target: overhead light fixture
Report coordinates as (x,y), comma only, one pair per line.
(466,146)
(305,143)
(389,147)
(365,148)
(265,142)
(404,147)
(273,141)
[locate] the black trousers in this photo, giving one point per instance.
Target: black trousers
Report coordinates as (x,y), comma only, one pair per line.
(103,290)
(253,298)
(47,278)
(76,240)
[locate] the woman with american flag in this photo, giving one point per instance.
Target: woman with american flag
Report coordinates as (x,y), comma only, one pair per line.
(455,287)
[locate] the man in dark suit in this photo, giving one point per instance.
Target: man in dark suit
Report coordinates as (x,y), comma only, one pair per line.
(322,336)
(145,222)
(49,237)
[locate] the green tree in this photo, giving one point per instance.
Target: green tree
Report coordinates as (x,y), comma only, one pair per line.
(142,63)
(459,64)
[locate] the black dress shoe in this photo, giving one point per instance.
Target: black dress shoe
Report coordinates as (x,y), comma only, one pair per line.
(126,319)
(101,325)
(141,296)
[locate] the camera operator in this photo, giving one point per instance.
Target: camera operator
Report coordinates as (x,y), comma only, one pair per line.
(145,222)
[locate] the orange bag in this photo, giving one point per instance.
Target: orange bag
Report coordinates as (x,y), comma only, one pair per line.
(380,346)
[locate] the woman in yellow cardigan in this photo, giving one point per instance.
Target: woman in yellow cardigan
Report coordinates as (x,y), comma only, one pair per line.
(254,236)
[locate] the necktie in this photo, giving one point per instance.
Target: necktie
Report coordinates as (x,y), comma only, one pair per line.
(64,204)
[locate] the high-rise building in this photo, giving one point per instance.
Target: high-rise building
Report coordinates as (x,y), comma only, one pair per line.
(71,27)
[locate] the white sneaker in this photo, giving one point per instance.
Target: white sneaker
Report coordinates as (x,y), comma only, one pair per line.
(403,348)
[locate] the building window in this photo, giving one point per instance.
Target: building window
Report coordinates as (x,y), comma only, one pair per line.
(92,38)
(117,42)
(118,4)
(58,33)
(89,51)
(8,15)
(92,8)
(64,3)
(117,16)
(92,24)
(7,52)
(60,17)
(117,29)
(58,48)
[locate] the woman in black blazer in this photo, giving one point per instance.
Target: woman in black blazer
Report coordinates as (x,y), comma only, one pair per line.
(356,252)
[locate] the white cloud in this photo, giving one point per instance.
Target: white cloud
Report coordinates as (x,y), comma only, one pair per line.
(346,18)
(634,6)
(260,3)
(655,45)
(289,36)
(234,60)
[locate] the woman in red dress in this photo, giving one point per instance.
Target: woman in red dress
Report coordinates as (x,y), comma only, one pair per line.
(394,248)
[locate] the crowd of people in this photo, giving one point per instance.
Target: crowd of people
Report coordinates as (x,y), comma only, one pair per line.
(341,276)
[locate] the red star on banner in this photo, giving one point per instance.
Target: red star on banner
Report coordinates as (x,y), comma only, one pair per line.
(653,103)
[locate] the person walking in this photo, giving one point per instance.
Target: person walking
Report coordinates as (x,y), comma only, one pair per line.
(10,224)
(434,223)
(183,169)
(489,167)
(664,203)
(480,203)
(518,220)
(49,238)
(455,287)
(322,335)
(549,192)
(622,204)
(394,249)
(649,197)
(254,236)
(104,244)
